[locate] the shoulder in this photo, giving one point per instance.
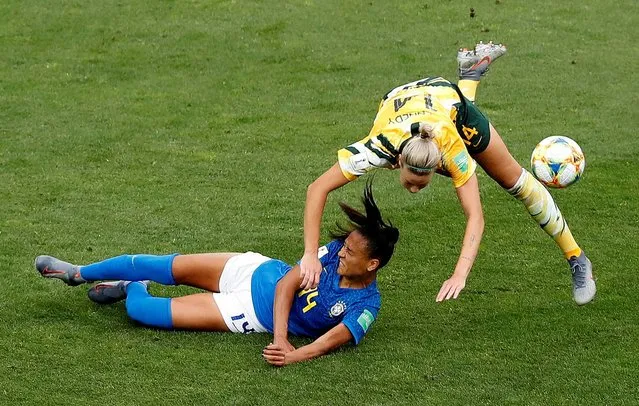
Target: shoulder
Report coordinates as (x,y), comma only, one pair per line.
(331,248)
(372,296)
(369,297)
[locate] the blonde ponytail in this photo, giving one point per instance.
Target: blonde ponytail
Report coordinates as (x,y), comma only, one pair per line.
(420,153)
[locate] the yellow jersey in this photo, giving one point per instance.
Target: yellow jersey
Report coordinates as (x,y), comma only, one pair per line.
(432,100)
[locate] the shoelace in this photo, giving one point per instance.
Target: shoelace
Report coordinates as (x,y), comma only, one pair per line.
(578,275)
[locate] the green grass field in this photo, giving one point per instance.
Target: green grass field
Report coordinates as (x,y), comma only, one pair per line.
(195,126)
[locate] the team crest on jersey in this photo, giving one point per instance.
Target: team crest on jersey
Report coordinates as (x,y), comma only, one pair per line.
(338,308)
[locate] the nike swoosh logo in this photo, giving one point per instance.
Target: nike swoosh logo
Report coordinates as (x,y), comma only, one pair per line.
(482,60)
(47,271)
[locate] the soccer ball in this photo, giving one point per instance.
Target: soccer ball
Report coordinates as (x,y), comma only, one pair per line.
(557,162)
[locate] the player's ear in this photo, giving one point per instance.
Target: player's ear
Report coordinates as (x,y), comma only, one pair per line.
(373,264)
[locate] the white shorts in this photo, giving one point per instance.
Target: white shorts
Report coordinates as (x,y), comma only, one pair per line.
(234,300)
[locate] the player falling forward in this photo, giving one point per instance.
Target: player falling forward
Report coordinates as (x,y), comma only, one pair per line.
(432,125)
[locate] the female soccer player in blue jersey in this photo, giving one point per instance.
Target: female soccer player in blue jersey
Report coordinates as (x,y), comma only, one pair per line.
(254,293)
(432,125)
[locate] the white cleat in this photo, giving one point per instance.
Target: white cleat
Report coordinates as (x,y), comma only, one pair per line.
(584,287)
(474,63)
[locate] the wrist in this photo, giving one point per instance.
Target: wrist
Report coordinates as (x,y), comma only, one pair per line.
(288,358)
(461,273)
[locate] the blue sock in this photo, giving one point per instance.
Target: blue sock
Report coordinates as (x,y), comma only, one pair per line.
(132,268)
(146,309)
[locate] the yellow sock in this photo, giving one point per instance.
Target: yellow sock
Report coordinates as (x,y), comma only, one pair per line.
(468,88)
(543,209)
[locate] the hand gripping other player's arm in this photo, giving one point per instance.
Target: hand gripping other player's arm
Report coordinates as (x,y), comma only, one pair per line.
(316,196)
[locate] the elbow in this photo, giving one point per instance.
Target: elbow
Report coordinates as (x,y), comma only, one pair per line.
(310,190)
(282,287)
(476,220)
(479,219)
(480,223)
(315,190)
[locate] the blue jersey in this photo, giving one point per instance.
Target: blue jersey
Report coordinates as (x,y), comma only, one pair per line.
(315,311)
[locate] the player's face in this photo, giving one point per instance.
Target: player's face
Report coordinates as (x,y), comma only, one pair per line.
(412,181)
(354,259)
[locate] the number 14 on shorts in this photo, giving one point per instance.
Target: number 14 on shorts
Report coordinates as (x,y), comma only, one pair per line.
(242,324)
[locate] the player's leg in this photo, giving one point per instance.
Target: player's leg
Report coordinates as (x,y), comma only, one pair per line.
(473,64)
(127,267)
(197,312)
(231,310)
(201,270)
(500,165)
(192,312)
(197,270)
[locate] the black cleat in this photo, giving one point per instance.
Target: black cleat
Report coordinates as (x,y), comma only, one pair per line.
(108,292)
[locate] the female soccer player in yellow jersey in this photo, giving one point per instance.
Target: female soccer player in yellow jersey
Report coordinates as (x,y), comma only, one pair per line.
(432,125)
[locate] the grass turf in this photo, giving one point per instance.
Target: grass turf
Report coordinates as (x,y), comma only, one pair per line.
(195,126)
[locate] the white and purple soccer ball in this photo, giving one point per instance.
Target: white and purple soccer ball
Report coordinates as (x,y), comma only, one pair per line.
(557,162)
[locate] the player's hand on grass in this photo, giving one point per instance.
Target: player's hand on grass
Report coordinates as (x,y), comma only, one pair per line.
(275,355)
(451,288)
(283,343)
(310,268)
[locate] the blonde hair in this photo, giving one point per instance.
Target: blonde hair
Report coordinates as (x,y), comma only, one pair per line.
(420,153)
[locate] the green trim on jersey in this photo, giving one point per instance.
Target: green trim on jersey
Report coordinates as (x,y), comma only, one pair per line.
(352,150)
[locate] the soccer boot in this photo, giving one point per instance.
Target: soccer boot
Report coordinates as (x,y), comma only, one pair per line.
(474,63)
(109,292)
(583,283)
(51,267)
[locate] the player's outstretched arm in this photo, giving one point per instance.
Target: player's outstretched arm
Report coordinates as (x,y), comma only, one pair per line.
(284,293)
(329,341)
(316,196)
(468,195)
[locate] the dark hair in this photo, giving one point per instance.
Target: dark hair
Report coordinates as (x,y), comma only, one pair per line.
(381,236)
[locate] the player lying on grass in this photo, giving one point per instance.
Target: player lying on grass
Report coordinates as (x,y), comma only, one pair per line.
(254,293)
(431,125)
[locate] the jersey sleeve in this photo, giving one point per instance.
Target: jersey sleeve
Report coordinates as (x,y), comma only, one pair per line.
(326,252)
(359,320)
(456,161)
(374,151)
(329,251)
